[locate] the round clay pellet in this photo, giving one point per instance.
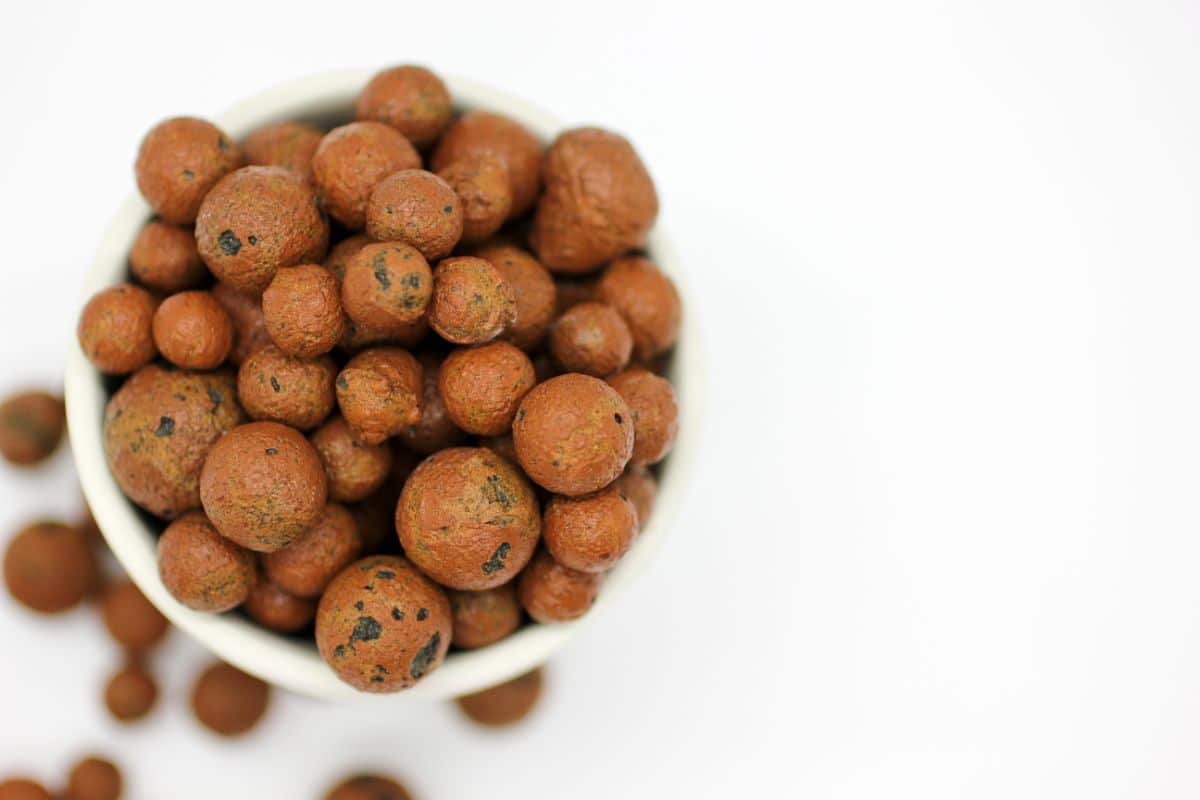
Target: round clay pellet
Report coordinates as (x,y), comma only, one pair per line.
(302,309)
(31,427)
(94,778)
(368,787)
(655,413)
(131,619)
(485,191)
(435,430)
(164,258)
(409,98)
(533,289)
(116,329)
(354,469)
(18,788)
(550,592)
(227,701)
(273,608)
(290,145)
(592,532)
(49,567)
(307,565)
(249,327)
(484,133)
(282,388)
(486,617)
(591,338)
(130,693)
(179,162)
(341,253)
(482,386)
(379,393)
(471,303)
(638,485)
(416,207)
(201,568)
(501,446)
(351,160)
(193,331)
(648,301)
(386,287)
(571,293)
(506,704)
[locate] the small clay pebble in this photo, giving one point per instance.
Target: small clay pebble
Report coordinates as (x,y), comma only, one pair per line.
(290,145)
(435,430)
(306,566)
(351,160)
(533,289)
(27,789)
(249,327)
(116,329)
(229,702)
(482,386)
(655,413)
(648,301)
(472,303)
(94,778)
(49,567)
(164,258)
(599,201)
(382,625)
(550,592)
(592,532)
(409,98)
(31,427)
(573,292)
(468,519)
(273,608)
(179,161)
(201,568)
(354,470)
(501,446)
(256,221)
(483,618)
(193,331)
(131,619)
(637,483)
(485,191)
(295,391)
(505,704)
(573,434)
(368,787)
(158,428)
(416,207)
(130,693)
(263,485)
(379,392)
(386,287)
(484,133)
(341,253)
(591,338)
(302,309)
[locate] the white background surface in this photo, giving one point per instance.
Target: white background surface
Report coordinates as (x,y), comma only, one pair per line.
(944,541)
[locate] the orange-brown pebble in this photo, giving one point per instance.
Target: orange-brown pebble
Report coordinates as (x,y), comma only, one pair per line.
(295,391)
(340,254)
(416,207)
(485,191)
(93,778)
(31,427)
(164,258)
(201,568)
(256,221)
(468,519)
(302,309)
(386,287)
(472,303)
(368,787)
(573,292)
(49,567)
(131,619)
(533,290)
(290,145)
(354,469)
(130,693)
(655,413)
(249,328)
(306,566)
(19,788)
(648,301)
(550,592)
(501,446)
(591,338)
(229,702)
(379,393)
(435,430)
(275,609)
(382,625)
(638,485)
(485,133)
(573,434)
(482,386)
(599,201)
(263,485)
(179,161)
(116,329)
(589,533)
(409,98)
(351,160)
(193,331)
(506,704)
(486,617)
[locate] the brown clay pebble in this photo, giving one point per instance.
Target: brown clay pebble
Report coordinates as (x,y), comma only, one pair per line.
(290,145)
(638,485)
(341,253)
(49,567)
(589,533)
(229,702)
(416,207)
(573,434)
(263,485)
(386,287)
(411,99)
(379,393)
(31,427)
(435,430)
(368,787)
(164,258)
(26,789)
(351,160)
(482,386)
(354,470)
(505,704)
(256,221)
(573,292)
(483,618)
(201,568)
(249,328)
(306,566)
(501,446)
(468,519)
(130,693)
(94,778)
(472,303)
(281,388)
(131,619)
(648,301)
(591,338)
(159,427)
(273,608)
(193,331)
(116,329)
(550,592)
(599,201)
(382,625)
(484,133)
(179,161)
(302,309)
(533,289)
(485,191)
(655,413)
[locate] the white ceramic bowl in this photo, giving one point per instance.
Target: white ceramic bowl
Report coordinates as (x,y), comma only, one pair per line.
(292,663)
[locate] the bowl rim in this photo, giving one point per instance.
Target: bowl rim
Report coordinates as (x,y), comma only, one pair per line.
(292,663)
